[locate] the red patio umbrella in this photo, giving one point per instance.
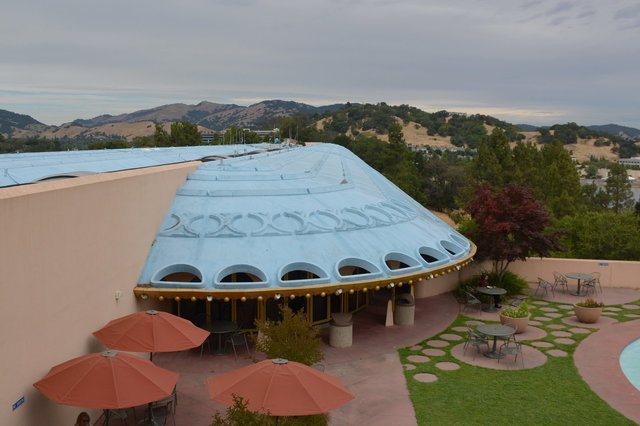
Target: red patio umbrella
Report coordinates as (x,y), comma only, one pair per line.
(107,380)
(284,388)
(151,331)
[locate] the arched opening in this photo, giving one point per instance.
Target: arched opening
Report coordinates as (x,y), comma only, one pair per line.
(452,249)
(432,256)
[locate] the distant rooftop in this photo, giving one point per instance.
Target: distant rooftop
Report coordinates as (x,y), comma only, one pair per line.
(25,168)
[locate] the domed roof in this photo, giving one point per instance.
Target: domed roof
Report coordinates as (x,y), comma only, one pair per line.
(297,217)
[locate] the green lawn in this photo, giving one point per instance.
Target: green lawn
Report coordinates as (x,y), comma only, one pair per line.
(553,394)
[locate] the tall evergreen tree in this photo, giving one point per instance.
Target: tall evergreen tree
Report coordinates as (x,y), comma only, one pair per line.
(618,188)
(560,182)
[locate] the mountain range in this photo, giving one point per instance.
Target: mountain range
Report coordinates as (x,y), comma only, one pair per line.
(208,116)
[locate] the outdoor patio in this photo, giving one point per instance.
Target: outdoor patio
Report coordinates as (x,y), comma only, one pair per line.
(372,370)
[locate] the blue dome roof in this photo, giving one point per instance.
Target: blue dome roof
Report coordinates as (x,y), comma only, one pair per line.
(318,209)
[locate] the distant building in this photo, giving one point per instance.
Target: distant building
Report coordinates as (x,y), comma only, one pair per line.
(635,161)
(207,138)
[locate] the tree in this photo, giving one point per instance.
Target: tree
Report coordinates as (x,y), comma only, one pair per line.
(618,188)
(184,133)
(560,182)
(161,137)
(509,225)
(601,235)
(293,338)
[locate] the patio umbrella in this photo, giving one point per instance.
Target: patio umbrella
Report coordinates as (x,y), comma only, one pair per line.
(107,380)
(151,331)
(284,388)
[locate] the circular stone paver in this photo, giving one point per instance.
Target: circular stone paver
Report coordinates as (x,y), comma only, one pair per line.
(531,333)
(542,344)
(554,314)
(425,377)
(565,341)
(556,326)
(459,328)
(631,306)
(434,352)
(540,302)
(557,352)
(418,358)
(632,315)
(415,348)
(534,322)
(565,306)
(548,309)
(409,367)
(450,337)
(560,334)
(532,358)
(448,366)
(472,322)
(542,319)
(437,343)
(615,314)
(580,330)
(612,309)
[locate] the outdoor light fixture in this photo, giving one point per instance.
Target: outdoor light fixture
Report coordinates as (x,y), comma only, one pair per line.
(323,294)
(260,298)
(308,296)
(161,298)
(351,291)
(458,267)
(277,296)
(364,289)
(339,291)
(293,296)
(430,276)
(226,299)
(177,298)
(144,296)
(193,298)
(243,299)
(392,285)
(209,298)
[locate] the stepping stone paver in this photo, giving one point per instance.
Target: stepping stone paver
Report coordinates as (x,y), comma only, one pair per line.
(557,352)
(534,322)
(434,352)
(459,328)
(448,366)
(540,302)
(554,314)
(556,326)
(549,309)
(542,344)
(425,377)
(451,337)
(631,306)
(418,358)
(565,306)
(473,322)
(579,330)
(415,348)
(437,343)
(612,309)
(565,341)
(541,319)
(632,315)
(409,367)
(560,334)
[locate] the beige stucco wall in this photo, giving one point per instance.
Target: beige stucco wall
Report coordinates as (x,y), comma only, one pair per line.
(66,247)
(442,284)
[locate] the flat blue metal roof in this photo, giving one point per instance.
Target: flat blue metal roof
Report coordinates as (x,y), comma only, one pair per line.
(23,168)
(318,209)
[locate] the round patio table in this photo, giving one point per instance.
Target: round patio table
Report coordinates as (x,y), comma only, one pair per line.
(495,330)
(220,328)
(580,277)
(491,291)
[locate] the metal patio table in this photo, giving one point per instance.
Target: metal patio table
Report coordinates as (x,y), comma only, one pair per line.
(580,277)
(495,330)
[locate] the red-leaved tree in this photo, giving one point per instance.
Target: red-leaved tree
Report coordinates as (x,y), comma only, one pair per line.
(510,226)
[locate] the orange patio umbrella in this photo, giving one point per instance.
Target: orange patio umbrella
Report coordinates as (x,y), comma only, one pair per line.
(284,388)
(107,380)
(151,331)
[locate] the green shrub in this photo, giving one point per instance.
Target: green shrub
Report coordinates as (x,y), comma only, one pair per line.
(239,415)
(511,282)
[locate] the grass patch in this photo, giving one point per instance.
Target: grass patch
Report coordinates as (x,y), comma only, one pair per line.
(552,394)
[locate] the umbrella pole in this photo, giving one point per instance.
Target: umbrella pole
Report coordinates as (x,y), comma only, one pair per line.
(106,417)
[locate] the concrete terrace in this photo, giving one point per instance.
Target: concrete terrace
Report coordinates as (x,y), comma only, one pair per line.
(371,369)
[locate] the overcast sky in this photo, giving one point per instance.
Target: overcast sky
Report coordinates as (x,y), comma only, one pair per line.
(532,61)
